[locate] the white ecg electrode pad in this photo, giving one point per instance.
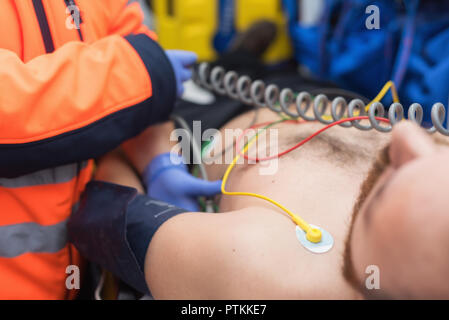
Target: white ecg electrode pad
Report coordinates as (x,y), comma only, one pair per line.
(326,243)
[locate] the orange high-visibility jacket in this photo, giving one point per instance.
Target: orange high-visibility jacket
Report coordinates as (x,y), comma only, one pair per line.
(77,78)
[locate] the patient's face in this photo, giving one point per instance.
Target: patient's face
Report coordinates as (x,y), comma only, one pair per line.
(401,221)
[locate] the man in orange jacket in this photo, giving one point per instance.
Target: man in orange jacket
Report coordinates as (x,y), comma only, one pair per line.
(77,78)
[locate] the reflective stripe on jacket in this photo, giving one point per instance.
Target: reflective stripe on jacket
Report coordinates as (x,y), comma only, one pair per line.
(67,95)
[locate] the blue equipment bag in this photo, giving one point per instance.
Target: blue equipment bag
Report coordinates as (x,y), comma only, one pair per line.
(411,47)
(226,25)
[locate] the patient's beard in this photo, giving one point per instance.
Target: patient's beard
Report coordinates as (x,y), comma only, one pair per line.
(381,163)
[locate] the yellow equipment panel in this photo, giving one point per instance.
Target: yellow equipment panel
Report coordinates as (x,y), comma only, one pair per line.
(187,25)
(249,11)
(192,25)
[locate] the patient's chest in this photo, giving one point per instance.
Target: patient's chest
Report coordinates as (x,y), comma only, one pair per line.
(316,188)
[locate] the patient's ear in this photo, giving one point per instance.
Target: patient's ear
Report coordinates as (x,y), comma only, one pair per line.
(409,142)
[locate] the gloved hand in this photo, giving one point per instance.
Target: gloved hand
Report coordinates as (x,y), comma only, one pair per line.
(172,183)
(181,61)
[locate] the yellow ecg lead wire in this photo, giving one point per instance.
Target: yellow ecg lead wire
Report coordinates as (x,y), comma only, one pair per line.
(389,85)
(312,234)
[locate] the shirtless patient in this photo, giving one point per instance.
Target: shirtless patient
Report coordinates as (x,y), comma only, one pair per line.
(250,250)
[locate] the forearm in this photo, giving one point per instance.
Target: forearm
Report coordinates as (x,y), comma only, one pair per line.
(115,225)
(152,142)
(115,168)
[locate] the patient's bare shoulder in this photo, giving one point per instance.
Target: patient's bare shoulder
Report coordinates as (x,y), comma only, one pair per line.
(251,253)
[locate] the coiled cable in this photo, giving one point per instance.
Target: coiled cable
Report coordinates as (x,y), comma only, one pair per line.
(258,94)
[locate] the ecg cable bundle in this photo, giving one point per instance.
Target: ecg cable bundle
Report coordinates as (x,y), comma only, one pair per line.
(258,94)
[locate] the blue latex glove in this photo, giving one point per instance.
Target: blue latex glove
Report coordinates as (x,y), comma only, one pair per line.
(181,62)
(172,183)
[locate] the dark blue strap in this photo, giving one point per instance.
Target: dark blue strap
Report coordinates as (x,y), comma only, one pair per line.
(113,227)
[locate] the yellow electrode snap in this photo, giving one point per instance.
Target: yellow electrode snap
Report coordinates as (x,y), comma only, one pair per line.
(314,235)
(323,246)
